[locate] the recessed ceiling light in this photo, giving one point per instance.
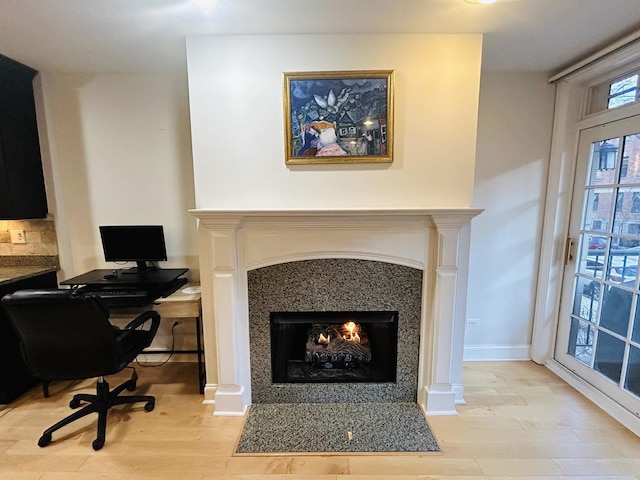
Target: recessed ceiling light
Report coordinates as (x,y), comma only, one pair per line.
(480,2)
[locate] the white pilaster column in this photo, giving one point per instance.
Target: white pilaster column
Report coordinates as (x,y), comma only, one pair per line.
(444,380)
(231,341)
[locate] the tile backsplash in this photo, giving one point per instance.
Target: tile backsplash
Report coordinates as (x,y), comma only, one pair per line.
(40,236)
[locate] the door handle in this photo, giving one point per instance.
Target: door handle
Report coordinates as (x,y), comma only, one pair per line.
(568,251)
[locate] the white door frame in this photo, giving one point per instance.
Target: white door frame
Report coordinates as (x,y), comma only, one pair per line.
(569,119)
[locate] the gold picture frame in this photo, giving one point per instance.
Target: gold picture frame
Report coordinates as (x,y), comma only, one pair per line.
(338,117)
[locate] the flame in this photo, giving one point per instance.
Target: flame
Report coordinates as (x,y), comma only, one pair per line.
(352,329)
(324,340)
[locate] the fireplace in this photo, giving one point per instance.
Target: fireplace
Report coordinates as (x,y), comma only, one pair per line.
(234,244)
(306,295)
(328,347)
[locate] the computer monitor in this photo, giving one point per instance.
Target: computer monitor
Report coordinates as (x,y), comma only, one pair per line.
(133,243)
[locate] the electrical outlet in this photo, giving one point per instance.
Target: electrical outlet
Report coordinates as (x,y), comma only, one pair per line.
(17,236)
(473,322)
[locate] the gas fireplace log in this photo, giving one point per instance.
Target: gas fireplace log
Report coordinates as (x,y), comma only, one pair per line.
(338,350)
(330,343)
(362,351)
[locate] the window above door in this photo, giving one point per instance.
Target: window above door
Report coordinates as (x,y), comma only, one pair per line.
(614,93)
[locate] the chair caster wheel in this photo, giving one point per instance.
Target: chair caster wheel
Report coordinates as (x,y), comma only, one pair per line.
(74,403)
(44,440)
(149,406)
(98,444)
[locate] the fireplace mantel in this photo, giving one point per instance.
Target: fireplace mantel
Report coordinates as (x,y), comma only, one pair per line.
(232,242)
(447,215)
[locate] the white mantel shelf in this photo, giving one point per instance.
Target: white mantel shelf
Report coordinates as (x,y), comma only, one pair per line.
(463,213)
(234,241)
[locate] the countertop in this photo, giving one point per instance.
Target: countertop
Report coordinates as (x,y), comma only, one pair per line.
(11,274)
(14,268)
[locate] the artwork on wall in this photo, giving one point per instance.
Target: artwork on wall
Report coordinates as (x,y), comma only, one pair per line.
(338,117)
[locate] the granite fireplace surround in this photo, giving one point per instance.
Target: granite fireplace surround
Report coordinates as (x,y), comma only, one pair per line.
(325,285)
(414,261)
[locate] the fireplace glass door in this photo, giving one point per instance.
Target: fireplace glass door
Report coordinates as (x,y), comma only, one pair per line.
(329,347)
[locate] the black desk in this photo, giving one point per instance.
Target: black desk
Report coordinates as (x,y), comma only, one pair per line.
(143,288)
(116,278)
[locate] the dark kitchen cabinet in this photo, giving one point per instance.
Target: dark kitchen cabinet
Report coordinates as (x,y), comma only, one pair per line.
(22,191)
(14,374)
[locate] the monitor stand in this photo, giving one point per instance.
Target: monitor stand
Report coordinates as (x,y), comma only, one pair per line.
(142,268)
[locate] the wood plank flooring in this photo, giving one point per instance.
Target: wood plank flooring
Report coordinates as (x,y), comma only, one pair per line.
(520,422)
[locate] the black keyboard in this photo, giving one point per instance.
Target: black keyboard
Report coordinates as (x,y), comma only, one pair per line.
(123,297)
(120,293)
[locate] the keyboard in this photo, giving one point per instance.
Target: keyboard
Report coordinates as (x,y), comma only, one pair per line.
(123,297)
(120,293)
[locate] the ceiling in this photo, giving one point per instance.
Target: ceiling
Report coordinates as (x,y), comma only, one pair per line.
(110,36)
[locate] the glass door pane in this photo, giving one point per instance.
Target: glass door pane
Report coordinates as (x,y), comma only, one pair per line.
(599,329)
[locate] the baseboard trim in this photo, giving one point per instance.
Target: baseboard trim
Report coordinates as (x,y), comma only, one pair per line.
(210,390)
(152,357)
(490,353)
(440,400)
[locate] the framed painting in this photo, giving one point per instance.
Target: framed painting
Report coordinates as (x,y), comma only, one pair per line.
(338,117)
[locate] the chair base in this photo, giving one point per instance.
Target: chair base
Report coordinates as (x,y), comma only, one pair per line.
(99,403)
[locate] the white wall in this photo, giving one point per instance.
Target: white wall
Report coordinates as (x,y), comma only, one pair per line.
(235,89)
(120,153)
(514,136)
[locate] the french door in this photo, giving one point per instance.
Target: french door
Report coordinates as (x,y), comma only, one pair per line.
(599,328)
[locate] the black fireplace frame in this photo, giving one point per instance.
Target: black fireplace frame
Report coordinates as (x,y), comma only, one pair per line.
(288,332)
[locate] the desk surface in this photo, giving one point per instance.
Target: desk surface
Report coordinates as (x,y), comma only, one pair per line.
(180,296)
(115,278)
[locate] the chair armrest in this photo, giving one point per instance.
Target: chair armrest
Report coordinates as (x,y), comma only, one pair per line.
(130,339)
(143,318)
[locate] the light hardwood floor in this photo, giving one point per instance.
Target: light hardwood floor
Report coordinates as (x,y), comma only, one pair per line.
(520,421)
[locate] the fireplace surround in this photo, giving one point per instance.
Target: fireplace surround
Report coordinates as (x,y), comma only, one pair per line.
(326,288)
(236,242)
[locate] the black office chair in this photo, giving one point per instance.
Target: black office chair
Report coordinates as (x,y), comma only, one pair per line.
(66,335)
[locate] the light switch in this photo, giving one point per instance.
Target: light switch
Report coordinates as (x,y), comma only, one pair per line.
(17,236)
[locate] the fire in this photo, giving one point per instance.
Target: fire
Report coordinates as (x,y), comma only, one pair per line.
(322,340)
(352,332)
